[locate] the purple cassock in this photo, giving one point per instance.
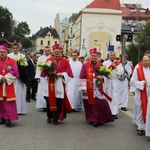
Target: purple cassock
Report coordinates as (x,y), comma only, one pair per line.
(8,109)
(100,111)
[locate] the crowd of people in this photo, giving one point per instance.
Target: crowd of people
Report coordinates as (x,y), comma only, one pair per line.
(75,81)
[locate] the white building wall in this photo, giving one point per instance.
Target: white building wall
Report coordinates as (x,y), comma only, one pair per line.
(99,26)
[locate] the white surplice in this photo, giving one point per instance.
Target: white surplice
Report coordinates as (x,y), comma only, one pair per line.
(59,87)
(20,88)
(123,87)
(139,85)
(113,86)
(73,92)
(40,101)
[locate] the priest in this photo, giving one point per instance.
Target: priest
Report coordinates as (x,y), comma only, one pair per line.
(96,107)
(20,87)
(55,91)
(40,101)
(8,75)
(113,83)
(141,81)
(74,95)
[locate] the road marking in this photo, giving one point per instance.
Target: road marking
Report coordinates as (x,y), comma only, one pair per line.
(129,114)
(130,106)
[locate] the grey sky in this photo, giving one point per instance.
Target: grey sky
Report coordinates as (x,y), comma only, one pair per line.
(41,13)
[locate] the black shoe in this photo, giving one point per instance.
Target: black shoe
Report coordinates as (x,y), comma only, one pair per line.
(44,109)
(48,120)
(28,100)
(2,121)
(34,99)
(124,108)
(95,124)
(115,116)
(55,122)
(140,132)
(8,123)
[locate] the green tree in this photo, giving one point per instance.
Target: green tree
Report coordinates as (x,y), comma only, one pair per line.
(6,22)
(136,51)
(22,29)
(14,38)
(26,43)
(144,37)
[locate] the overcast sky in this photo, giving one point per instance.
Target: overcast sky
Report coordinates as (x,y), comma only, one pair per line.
(41,13)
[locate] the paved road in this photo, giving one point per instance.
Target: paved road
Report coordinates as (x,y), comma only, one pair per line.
(31,132)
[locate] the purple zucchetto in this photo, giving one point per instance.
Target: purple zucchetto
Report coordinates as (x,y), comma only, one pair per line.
(94,51)
(3,47)
(57,47)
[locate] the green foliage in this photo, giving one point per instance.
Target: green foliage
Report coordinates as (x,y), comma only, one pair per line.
(132,53)
(14,38)
(26,43)
(143,45)
(22,29)
(6,21)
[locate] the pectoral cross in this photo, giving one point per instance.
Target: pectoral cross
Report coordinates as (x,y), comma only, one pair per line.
(89,71)
(90,83)
(51,86)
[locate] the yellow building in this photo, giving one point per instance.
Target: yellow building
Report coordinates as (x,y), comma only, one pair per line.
(47,36)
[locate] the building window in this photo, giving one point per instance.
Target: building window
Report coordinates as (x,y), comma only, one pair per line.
(70,30)
(70,43)
(41,42)
(48,43)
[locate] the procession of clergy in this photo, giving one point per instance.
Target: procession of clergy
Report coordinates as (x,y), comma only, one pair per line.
(75,85)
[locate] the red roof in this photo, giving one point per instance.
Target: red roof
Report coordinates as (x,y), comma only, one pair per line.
(133,11)
(107,4)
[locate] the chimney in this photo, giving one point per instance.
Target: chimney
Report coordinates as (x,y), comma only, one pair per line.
(40,28)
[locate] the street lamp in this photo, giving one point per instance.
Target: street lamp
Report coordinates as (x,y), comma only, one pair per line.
(124,39)
(2,33)
(132,27)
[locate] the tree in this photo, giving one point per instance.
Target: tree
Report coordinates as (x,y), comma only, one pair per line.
(144,37)
(136,51)
(14,38)
(6,21)
(26,43)
(22,29)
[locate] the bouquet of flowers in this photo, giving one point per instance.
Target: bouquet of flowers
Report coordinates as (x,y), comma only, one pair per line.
(21,61)
(49,66)
(22,68)
(103,71)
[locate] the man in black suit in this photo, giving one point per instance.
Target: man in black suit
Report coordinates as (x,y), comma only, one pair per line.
(32,83)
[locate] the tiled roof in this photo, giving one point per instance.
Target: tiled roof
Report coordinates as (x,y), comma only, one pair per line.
(43,32)
(135,11)
(107,4)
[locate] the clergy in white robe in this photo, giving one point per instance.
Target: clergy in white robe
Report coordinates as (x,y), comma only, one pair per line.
(73,92)
(113,82)
(123,86)
(20,87)
(40,101)
(141,81)
(55,91)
